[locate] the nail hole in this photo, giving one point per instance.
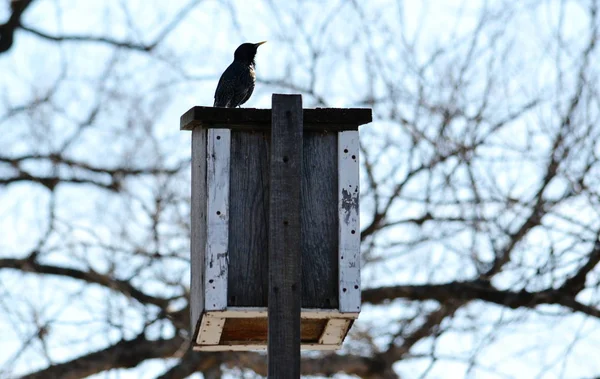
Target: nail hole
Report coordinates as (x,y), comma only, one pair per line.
(218,213)
(344,290)
(285,222)
(213,287)
(218,137)
(355,287)
(354,157)
(285,159)
(211,281)
(342,257)
(353,231)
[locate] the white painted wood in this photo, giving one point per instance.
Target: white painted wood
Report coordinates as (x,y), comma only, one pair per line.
(335,331)
(240,312)
(247,347)
(326,314)
(217,208)
(210,331)
(349,224)
(252,312)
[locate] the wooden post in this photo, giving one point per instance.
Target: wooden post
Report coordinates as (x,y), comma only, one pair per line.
(285,240)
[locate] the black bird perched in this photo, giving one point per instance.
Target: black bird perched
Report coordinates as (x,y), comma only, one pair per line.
(237,82)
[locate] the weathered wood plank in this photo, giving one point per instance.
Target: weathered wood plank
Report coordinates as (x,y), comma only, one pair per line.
(318,119)
(217,209)
(248,221)
(249,216)
(243,346)
(285,237)
(349,223)
(210,331)
(320,221)
(255,330)
(335,331)
(251,312)
(198,227)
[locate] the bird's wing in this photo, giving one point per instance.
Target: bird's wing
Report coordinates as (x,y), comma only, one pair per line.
(247,79)
(224,91)
(247,94)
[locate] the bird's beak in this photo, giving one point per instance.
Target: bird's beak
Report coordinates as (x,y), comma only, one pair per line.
(260,43)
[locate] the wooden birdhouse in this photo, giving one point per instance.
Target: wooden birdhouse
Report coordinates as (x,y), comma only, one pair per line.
(230,218)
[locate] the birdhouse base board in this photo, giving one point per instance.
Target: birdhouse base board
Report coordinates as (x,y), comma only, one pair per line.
(263,347)
(240,329)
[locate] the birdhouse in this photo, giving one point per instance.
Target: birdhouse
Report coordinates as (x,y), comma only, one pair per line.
(230,218)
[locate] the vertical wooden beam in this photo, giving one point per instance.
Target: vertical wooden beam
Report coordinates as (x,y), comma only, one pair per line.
(198,226)
(349,225)
(285,237)
(217,216)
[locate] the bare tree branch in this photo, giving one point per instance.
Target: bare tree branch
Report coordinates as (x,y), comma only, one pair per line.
(7,30)
(123,354)
(122,286)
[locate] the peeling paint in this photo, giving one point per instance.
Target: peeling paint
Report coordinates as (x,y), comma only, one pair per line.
(349,204)
(217,207)
(223,259)
(349,224)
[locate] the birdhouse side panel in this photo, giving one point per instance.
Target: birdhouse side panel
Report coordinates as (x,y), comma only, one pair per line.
(198,226)
(248,222)
(319,221)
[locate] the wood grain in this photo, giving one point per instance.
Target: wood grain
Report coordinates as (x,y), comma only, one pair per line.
(248,221)
(319,221)
(198,227)
(318,119)
(285,237)
(254,330)
(217,218)
(248,243)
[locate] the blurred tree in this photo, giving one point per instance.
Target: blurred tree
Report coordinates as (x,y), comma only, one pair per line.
(481,229)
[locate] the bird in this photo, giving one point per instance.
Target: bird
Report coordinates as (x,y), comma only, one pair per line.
(237,82)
